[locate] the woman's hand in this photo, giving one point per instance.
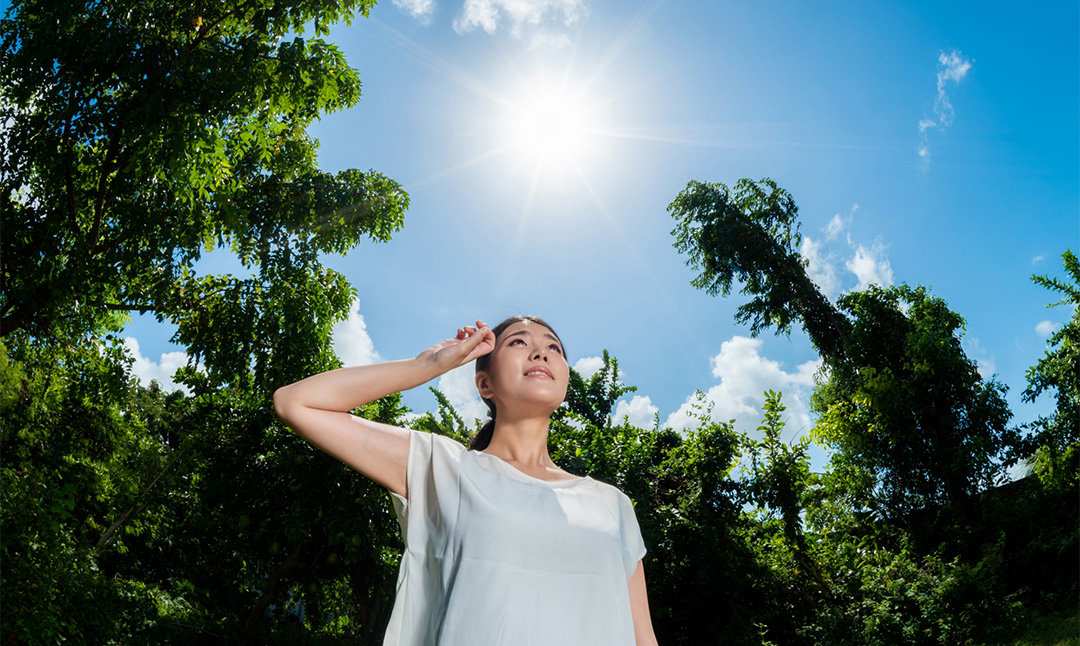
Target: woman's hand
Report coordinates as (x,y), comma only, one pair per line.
(469,343)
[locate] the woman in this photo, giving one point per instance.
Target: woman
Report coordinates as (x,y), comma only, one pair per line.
(502,546)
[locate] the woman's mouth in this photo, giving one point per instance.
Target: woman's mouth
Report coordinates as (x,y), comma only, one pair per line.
(539,371)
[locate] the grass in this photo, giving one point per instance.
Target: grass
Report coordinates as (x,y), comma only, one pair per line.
(1059,629)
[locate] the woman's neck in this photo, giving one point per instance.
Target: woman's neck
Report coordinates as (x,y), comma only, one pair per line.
(521,441)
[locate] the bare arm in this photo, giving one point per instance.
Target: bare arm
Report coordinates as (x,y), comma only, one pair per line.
(639,608)
(317,408)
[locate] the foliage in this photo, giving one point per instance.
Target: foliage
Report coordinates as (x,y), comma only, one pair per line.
(139,136)
(592,400)
(1057,436)
(895,597)
(751,233)
(913,409)
(901,403)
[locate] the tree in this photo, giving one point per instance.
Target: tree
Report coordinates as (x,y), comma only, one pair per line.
(751,233)
(138,138)
(912,408)
(1057,436)
(901,399)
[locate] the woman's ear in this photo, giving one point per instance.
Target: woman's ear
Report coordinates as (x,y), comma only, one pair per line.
(483,384)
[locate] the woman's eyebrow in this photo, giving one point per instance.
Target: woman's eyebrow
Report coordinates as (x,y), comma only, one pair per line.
(521,332)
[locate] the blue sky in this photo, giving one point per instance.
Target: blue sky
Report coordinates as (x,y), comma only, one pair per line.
(925,143)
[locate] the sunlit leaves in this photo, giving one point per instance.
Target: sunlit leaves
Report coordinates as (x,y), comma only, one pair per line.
(140,136)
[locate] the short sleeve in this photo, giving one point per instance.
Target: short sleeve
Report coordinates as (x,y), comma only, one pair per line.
(633,543)
(432,478)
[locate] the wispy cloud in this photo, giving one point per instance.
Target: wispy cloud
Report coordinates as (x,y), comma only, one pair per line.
(954,67)
(868,264)
(1046,328)
(1037,259)
(351,341)
(840,223)
(422,10)
(162,371)
(489,14)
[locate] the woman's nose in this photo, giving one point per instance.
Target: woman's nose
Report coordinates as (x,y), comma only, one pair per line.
(540,353)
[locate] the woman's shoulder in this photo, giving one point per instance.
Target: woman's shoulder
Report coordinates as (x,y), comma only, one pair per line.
(612,494)
(435,444)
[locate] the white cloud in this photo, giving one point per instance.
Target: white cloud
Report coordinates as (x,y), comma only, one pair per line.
(870,266)
(820,267)
(420,9)
(487,14)
(639,411)
(1037,259)
(351,341)
(954,67)
(744,377)
(839,223)
(1046,328)
(588,366)
(459,386)
(146,370)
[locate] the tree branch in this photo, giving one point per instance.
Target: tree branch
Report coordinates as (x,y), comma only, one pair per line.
(172,470)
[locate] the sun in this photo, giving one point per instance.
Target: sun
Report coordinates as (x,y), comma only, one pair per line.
(551,123)
(551,127)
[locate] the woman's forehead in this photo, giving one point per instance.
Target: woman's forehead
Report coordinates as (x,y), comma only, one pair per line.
(527,328)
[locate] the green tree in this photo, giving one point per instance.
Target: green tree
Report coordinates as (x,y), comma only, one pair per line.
(751,233)
(913,409)
(138,138)
(1057,436)
(901,399)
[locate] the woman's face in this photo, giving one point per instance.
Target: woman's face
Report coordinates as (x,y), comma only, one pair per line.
(527,369)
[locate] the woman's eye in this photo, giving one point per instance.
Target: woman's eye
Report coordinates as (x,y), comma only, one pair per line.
(555,347)
(516,342)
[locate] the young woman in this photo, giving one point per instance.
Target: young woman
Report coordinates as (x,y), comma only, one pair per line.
(502,547)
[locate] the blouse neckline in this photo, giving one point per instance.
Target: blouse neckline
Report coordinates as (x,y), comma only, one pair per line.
(518,474)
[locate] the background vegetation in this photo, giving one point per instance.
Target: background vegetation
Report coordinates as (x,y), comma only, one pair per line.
(141,136)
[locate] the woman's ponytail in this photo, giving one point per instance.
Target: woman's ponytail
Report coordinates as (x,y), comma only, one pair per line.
(480,441)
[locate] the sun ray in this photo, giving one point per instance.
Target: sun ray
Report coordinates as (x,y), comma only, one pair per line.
(459,167)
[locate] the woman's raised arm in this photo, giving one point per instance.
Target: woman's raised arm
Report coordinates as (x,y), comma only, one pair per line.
(317,408)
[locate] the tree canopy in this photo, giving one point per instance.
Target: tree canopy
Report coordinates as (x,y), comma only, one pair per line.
(140,136)
(898,397)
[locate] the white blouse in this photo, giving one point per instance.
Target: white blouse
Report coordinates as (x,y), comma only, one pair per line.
(497,557)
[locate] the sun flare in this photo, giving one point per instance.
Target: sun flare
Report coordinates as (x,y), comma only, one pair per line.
(551,124)
(551,128)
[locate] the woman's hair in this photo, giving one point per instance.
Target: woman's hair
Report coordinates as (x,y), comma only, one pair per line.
(480,441)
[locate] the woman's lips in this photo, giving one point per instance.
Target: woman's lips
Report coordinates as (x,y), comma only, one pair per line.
(536,371)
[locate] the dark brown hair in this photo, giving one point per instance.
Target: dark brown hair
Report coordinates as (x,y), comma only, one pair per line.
(480,441)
